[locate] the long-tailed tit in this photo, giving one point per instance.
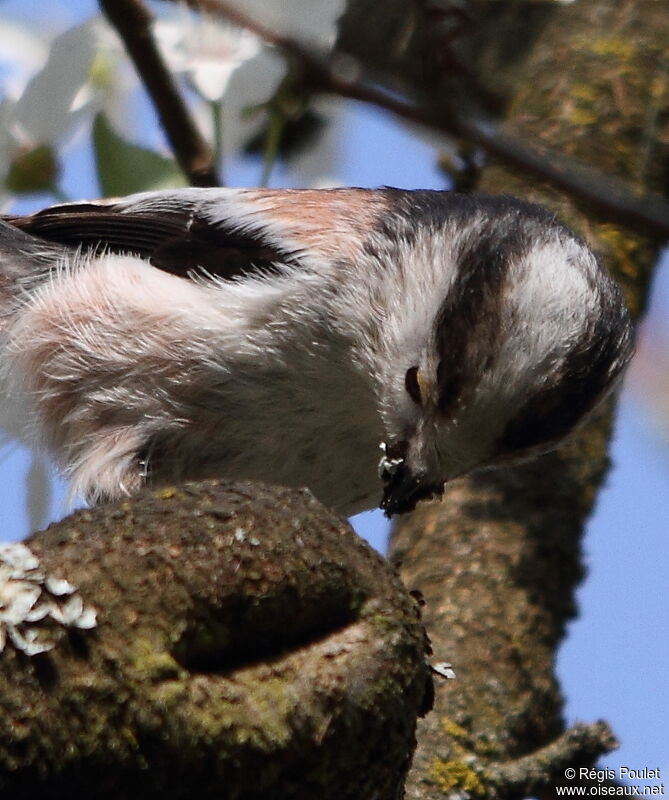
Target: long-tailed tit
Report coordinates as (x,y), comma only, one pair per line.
(284,336)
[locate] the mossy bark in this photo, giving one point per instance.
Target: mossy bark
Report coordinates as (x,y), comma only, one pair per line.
(291,664)
(498,561)
(249,646)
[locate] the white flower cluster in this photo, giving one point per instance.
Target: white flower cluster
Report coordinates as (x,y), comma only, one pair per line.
(29,597)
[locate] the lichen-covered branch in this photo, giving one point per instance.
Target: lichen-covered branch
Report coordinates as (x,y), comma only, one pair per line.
(248,645)
(537,774)
(534,775)
(499,560)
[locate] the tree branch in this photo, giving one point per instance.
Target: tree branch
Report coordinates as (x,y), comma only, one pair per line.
(133,23)
(248,645)
(603,194)
(499,560)
(534,775)
(537,774)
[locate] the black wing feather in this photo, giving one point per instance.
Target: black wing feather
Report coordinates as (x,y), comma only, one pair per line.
(178,242)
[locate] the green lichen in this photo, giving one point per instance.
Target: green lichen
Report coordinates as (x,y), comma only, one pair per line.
(170,693)
(149,662)
(262,720)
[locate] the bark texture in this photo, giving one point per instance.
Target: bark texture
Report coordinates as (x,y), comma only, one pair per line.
(249,646)
(499,560)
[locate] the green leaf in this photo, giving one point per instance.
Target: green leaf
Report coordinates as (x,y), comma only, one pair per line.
(124,168)
(35,170)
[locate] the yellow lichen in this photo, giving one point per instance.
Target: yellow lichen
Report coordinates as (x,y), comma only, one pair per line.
(658,86)
(452,729)
(583,116)
(612,46)
(585,92)
(128,735)
(449,775)
(623,253)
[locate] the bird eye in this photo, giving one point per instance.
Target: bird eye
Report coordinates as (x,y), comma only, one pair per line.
(412,383)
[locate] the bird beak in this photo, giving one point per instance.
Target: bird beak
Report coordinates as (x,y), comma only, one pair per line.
(402,489)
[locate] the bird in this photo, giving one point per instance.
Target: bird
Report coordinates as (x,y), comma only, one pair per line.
(368,344)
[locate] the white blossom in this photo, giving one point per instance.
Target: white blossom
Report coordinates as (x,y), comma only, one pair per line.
(36,118)
(206,49)
(31,602)
(245,73)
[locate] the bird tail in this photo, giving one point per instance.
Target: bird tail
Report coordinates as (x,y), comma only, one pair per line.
(25,261)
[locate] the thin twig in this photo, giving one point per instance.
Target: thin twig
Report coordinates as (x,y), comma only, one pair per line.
(133,23)
(606,195)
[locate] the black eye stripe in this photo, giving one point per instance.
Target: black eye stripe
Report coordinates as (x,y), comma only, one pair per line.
(412,386)
(587,373)
(451,385)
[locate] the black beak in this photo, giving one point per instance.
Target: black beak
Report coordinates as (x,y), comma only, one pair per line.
(403,490)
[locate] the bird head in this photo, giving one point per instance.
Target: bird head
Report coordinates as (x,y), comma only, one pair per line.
(526,335)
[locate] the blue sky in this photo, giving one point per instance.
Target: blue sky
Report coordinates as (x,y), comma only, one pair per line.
(614,662)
